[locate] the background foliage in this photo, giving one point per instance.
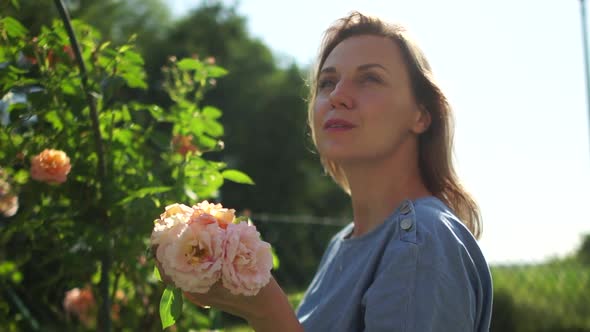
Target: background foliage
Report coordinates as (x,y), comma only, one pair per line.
(91,231)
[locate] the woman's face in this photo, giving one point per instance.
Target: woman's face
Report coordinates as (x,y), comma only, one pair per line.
(364,108)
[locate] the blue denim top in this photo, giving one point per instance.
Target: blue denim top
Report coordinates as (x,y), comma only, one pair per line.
(421,270)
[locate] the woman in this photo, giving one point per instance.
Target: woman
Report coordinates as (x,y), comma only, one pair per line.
(407,263)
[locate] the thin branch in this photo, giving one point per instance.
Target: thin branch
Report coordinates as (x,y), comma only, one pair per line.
(106,259)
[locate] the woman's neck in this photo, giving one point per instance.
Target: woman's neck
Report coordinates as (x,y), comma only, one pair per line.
(377,188)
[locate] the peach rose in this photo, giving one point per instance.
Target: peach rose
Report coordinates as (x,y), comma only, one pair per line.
(8,201)
(80,302)
(8,205)
(224,216)
(51,166)
(198,246)
(192,255)
(248,260)
(173,216)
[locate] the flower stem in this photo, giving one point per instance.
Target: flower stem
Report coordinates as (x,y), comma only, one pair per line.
(106,259)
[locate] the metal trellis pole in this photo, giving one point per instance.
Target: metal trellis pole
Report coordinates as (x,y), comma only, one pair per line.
(586,60)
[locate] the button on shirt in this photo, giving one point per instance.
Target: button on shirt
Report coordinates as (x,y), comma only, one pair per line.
(421,270)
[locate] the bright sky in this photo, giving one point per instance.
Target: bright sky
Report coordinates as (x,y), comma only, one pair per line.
(514,72)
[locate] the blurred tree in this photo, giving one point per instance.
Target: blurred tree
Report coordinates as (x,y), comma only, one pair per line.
(584,251)
(116,20)
(265,120)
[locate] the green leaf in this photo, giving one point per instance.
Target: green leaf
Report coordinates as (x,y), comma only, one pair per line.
(16,70)
(156,112)
(211,112)
(123,136)
(95,279)
(240,219)
(53,118)
(104,45)
(157,274)
(134,58)
(142,193)
(170,306)
(17,277)
(69,87)
(135,79)
(275,259)
(190,64)
(21,176)
(15,4)
(13,27)
(7,268)
(124,48)
(236,176)
(18,107)
(216,71)
(207,142)
(213,128)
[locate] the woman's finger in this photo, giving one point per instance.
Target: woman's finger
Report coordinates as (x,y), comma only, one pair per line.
(191,297)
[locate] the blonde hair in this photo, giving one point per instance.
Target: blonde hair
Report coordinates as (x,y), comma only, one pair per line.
(436,144)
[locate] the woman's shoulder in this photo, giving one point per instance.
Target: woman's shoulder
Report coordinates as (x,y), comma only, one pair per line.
(434,255)
(435,219)
(438,233)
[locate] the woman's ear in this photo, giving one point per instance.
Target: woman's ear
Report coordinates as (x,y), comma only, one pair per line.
(422,120)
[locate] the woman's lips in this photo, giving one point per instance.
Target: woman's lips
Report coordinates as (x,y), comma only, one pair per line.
(338,125)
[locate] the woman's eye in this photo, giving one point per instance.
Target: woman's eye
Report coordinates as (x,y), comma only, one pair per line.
(326,83)
(371,78)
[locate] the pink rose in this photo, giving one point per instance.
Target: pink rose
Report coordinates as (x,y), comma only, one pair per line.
(51,166)
(192,255)
(248,260)
(80,302)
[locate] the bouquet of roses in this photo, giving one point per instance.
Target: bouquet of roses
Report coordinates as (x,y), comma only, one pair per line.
(201,245)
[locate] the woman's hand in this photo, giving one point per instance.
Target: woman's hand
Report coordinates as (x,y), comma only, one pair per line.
(258,308)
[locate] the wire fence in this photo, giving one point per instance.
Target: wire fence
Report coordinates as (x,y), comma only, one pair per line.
(299,219)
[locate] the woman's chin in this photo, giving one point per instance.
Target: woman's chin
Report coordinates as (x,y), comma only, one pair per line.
(340,157)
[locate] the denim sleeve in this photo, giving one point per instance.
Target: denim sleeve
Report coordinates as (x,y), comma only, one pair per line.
(423,285)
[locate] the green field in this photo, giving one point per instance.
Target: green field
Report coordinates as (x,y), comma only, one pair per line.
(553,296)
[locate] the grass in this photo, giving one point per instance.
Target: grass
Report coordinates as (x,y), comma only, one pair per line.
(549,296)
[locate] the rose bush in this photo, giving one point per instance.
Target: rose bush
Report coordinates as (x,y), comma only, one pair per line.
(119,170)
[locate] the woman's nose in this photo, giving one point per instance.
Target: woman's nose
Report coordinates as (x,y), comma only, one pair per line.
(341,96)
